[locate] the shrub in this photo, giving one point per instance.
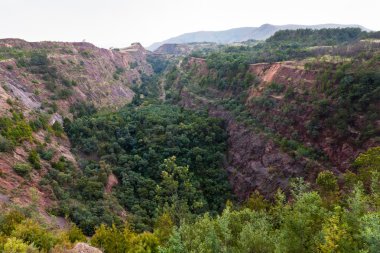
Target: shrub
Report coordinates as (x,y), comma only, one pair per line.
(75,234)
(38,59)
(31,232)
(22,169)
(41,122)
(9,221)
(368,163)
(57,128)
(114,240)
(64,93)
(46,154)
(327,181)
(81,109)
(275,88)
(14,245)
(15,129)
(50,86)
(133,65)
(85,54)
(5,144)
(66,82)
(34,159)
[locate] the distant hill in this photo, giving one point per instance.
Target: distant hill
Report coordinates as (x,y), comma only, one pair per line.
(240,34)
(184,48)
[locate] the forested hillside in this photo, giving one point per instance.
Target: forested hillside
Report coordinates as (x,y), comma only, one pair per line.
(268,146)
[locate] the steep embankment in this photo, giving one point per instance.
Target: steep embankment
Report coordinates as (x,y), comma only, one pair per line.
(254,161)
(305,85)
(287,128)
(40,82)
(97,75)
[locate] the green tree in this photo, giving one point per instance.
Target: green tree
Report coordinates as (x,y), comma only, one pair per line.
(31,232)
(301,224)
(328,186)
(336,237)
(110,239)
(9,220)
(370,231)
(74,234)
(14,245)
(177,191)
(368,163)
(163,227)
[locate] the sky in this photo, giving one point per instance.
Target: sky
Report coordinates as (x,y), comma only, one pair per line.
(118,23)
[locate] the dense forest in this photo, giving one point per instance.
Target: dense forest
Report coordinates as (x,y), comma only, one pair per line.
(152,176)
(324,218)
(154,151)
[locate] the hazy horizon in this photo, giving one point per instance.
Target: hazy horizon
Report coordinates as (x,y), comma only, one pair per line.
(118,23)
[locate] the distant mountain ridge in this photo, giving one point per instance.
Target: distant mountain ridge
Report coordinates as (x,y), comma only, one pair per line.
(241,34)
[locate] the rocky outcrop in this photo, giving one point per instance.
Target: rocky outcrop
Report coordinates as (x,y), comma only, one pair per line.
(101,76)
(283,72)
(84,248)
(254,162)
(111,182)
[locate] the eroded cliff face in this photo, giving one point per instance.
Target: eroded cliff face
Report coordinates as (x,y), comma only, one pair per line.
(101,76)
(72,72)
(256,162)
(339,151)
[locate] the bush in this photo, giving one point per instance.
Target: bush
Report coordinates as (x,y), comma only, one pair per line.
(38,59)
(64,93)
(81,109)
(46,154)
(22,169)
(34,159)
(5,144)
(14,245)
(327,181)
(75,234)
(31,232)
(50,86)
(15,129)
(114,240)
(9,221)
(57,128)
(41,122)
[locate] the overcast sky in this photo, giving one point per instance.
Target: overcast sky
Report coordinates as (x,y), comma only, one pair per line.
(118,23)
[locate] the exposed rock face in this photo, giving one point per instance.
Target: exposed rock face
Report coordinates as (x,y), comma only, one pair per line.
(283,72)
(111,182)
(84,248)
(17,189)
(200,65)
(254,162)
(292,74)
(100,76)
